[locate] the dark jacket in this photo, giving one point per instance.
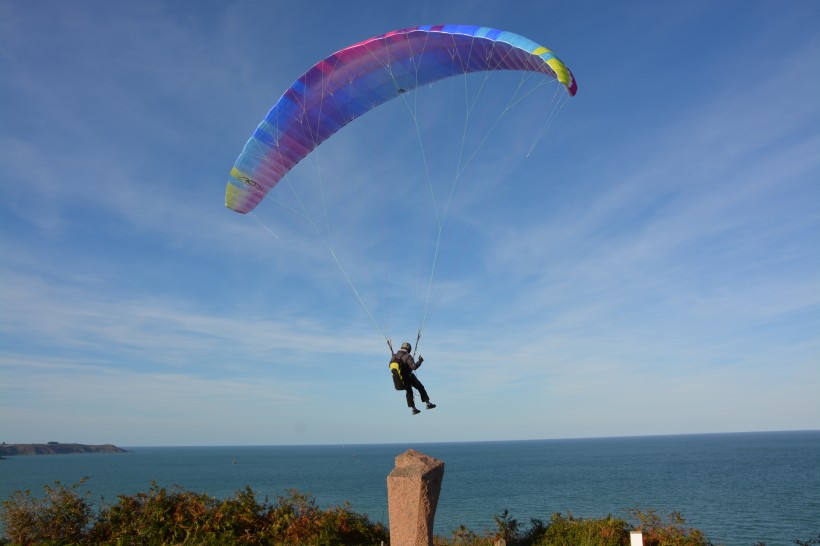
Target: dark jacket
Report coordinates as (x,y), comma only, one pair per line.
(407,363)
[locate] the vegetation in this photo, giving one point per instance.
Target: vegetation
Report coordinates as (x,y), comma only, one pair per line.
(161,516)
(672,532)
(571,531)
(176,516)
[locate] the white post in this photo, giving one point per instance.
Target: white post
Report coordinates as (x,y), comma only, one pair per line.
(635,538)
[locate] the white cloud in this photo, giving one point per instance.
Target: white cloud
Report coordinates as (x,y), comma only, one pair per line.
(677,261)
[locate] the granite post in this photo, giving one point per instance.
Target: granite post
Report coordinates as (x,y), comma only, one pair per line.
(413,487)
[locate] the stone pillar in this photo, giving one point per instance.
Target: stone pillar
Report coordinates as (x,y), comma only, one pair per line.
(413,487)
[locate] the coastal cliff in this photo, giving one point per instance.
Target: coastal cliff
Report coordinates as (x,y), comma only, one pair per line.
(55,448)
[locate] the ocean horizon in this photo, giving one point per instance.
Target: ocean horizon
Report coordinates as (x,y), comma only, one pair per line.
(738,488)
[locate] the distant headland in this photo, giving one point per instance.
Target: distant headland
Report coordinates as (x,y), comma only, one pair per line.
(56,448)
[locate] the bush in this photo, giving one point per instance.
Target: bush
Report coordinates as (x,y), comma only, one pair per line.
(176,516)
(656,532)
(570,531)
(62,516)
(297,520)
(560,531)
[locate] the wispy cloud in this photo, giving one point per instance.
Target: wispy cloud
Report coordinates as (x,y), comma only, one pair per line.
(652,250)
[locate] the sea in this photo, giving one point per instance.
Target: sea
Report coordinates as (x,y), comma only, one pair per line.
(738,488)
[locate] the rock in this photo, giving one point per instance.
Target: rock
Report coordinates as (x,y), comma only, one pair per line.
(413,488)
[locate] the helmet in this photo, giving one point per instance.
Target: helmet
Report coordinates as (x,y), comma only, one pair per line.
(406,347)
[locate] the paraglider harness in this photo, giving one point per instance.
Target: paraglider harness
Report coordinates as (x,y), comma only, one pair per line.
(395,371)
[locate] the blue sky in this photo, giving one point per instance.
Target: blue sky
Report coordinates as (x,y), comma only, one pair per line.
(651,266)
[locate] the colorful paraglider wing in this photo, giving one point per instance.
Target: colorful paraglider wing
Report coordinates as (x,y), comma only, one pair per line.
(358,78)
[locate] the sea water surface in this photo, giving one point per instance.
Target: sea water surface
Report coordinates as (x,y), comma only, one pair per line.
(740,489)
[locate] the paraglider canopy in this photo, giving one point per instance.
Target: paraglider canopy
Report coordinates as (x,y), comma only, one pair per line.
(358,78)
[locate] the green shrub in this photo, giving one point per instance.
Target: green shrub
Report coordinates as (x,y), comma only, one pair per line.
(177,516)
(672,532)
(61,516)
(560,531)
(461,537)
(295,519)
(571,531)
(180,517)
